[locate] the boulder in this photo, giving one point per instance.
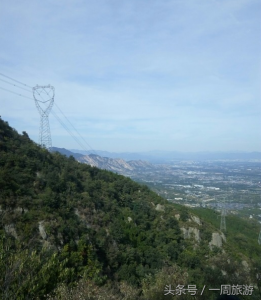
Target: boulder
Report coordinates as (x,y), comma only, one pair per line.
(217,240)
(196,219)
(42,230)
(160,207)
(191,232)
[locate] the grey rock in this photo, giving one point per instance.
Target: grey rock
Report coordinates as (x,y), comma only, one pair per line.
(177,216)
(196,219)
(160,207)
(191,232)
(42,230)
(217,240)
(11,230)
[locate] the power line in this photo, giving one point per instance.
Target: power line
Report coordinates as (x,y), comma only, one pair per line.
(69,123)
(68,130)
(16,80)
(16,85)
(16,93)
(54,103)
(55,115)
(63,125)
(74,128)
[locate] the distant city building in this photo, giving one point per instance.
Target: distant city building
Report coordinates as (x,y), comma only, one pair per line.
(199,186)
(213,188)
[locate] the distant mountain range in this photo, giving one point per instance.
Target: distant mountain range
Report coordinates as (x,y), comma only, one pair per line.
(127,163)
(118,165)
(167,156)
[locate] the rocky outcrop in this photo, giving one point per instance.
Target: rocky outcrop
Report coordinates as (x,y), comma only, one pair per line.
(82,217)
(177,216)
(111,164)
(21,210)
(245,265)
(42,231)
(191,232)
(217,240)
(196,220)
(11,230)
(139,164)
(160,207)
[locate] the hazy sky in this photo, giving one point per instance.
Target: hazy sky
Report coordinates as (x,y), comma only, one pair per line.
(137,75)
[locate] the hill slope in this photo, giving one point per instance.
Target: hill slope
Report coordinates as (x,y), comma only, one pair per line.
(64,222)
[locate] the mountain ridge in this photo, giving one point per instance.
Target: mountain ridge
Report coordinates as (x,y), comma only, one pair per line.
(166,156)
(70,230)
(118,165)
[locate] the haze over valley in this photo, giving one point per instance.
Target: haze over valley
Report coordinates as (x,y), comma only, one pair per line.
(190,179)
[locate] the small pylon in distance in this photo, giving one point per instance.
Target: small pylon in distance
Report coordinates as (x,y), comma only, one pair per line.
(259,238)
(223,226)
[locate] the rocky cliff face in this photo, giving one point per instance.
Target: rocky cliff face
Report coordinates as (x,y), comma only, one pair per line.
(114,164)
(118,165)
(191,232)
(217,240)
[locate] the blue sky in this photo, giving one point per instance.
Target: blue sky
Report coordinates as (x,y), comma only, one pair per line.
(136,75)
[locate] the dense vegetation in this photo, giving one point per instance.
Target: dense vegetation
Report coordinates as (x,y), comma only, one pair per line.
(71,231)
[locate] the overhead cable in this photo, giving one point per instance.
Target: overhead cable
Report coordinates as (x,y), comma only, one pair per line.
(75,129)
(56,116)
(15,80)
(16,85)
(60,121)
(16,93)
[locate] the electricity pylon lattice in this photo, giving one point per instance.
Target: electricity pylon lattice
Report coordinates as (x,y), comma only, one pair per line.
(44,99)
(223,226)
(259,237)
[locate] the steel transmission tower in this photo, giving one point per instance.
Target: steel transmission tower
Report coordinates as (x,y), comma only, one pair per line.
(44,99)
(259,237)
(223,226)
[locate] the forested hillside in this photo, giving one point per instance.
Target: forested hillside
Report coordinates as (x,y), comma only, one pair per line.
(71,231)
